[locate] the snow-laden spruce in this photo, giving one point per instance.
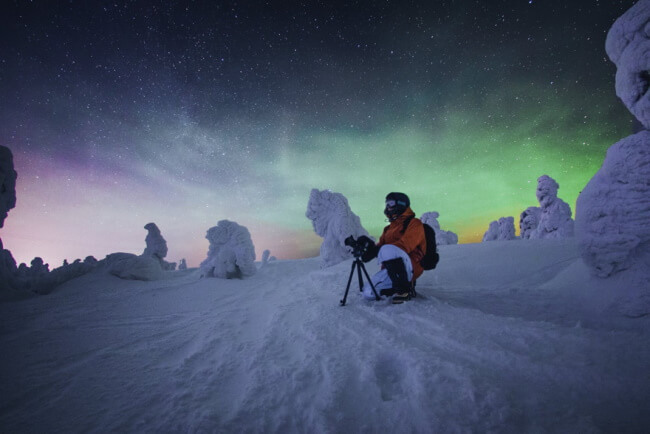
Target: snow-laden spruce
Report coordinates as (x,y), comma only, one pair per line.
(231,253)
(507,228)
(8,177)
(555,218)
(528,221)
(157,247)
(334,221)
(613,210)
(492,234)
(442,237)
(500,230)
(156,244)
(628,46)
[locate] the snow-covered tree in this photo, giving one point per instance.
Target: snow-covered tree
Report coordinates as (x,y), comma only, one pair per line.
(231,253)
(528,221)
(157,247)
(334,221)
(442,237)
(555,217)
(507,228)
(8,177)
(492,234)
(156,244)
(613,210)
(501,230)
(8,269)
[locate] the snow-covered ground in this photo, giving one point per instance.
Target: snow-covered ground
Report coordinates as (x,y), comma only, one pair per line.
(507,336)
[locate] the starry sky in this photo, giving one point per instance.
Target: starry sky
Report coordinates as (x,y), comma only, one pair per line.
(187,113)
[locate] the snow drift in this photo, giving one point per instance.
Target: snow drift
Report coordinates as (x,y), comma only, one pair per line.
(506,336)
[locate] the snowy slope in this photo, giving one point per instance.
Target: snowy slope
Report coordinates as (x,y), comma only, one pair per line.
(509,336)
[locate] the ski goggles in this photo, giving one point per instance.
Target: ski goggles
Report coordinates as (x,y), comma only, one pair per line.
(392,203)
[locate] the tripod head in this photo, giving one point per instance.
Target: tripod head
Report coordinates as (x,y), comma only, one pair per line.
(359,246)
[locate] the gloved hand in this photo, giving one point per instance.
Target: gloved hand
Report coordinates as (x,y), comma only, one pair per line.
(371,250)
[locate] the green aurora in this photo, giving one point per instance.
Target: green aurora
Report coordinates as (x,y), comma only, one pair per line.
(471,163)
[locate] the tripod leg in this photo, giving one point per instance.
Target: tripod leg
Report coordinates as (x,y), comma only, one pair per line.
(347,288)
(360,276)
(363,267)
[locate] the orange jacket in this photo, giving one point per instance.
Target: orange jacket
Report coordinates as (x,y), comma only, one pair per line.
(412,241)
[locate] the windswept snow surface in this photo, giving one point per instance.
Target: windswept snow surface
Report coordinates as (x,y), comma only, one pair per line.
(507,336)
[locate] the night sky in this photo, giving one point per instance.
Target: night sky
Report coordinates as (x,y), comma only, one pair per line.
(187,113)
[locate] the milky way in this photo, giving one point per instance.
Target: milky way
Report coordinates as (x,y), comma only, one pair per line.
(188,113)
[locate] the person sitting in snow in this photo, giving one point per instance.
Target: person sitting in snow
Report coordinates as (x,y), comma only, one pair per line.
(399,251)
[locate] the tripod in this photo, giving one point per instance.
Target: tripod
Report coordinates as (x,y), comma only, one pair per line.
(358,264)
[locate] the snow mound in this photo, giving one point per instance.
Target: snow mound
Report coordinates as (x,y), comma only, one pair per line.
(133,267)
(334,221)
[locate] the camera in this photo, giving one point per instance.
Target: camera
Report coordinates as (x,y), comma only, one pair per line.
(359,246)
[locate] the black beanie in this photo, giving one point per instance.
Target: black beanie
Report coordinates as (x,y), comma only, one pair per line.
(400,198)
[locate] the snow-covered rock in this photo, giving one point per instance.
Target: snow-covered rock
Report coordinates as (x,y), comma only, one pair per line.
(334,221)
(442,237)
(528,221)
(555,218)
(613,210)
(231,253)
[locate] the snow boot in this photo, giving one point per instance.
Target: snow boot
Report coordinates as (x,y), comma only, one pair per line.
(397,274)
(401,298)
